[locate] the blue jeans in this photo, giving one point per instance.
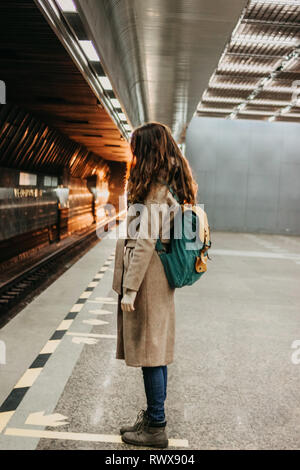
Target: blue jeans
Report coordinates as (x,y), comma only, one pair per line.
(155,381)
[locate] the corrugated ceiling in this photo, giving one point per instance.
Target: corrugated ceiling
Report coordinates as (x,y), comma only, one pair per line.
(258,75)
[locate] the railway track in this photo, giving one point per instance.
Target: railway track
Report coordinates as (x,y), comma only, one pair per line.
(19,287)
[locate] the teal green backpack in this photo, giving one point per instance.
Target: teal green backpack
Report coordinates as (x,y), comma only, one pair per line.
(183,266)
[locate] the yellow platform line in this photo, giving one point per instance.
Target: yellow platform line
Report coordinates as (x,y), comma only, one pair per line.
(4,418)
(98,276)
(29,377)
(93,284)
(76,308)
(65,325)
(91,335)
(50,347)
(74,436)
(85,295)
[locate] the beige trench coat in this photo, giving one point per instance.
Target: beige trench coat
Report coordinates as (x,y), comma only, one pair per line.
(145,337)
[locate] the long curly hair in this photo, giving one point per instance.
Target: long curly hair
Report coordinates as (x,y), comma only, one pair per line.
(155,154)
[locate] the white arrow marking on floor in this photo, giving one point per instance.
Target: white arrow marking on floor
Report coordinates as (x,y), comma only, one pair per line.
(100,312)
(94,321)
(73,436)
(105,299)
(40,419)
(101,302)
(80,340)
(91,335)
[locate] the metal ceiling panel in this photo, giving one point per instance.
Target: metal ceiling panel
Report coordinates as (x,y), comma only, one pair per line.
(160,54)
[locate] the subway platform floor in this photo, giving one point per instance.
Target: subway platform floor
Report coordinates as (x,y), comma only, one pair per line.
(235,380)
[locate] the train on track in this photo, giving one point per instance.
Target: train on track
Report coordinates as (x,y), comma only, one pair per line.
(37,210)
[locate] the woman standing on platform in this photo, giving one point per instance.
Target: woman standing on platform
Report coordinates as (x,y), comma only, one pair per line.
(146,313)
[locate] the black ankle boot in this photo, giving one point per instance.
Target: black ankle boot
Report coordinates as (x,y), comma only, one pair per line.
(147,436)
(141,420)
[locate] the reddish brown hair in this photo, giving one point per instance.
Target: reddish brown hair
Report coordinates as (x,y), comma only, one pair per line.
(155,152)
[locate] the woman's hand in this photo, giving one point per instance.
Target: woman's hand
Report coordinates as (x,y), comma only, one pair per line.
(127,302)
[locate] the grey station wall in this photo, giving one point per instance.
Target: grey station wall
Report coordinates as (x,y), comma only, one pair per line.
(248,173)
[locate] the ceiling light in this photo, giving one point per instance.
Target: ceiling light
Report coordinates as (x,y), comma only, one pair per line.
(214,110)
(115,103)
(46,12)
(53,6)
(127,127)
(230,86)
(262,39)
(67,6)
(265,80)
(105,83)
(289,63)
(279,89)
(287,109)
(89,50)
(276,2)
(270,102)
(254,111)
(244,68)
(79,51)
(221,99)
(252,96)
(122,116)
(294,115)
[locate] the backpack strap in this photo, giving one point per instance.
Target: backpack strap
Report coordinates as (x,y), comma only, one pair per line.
(170,189)
(159,246)
(173,193)
(204,231)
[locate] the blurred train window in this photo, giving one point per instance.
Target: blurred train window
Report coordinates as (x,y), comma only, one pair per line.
(47,181)
(27,179)
(54,182)
(50,181)
(2,92)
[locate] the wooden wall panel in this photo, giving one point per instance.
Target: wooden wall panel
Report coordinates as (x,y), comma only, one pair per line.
(42,79)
